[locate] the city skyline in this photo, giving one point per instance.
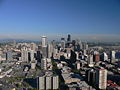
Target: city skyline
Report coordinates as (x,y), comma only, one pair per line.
(35,18)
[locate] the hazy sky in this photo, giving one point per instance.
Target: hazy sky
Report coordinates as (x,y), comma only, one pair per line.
(37,17)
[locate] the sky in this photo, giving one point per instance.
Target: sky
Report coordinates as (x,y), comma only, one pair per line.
(33,18)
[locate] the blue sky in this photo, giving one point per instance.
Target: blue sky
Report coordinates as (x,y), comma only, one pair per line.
(59,17)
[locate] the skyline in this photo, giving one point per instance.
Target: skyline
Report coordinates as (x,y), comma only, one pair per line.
(31,19)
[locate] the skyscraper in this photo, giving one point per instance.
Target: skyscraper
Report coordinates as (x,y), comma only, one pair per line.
(33,46)
(90,61)
(9,55)
(44,41)
(48,80)
(55,82)
(24,54)
(69,38)
(41,83)
(62,43)
(112,56)
(32,55)
(101,78)
(44,64)
(44,46)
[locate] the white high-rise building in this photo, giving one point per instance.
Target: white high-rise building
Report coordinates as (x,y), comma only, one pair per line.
(48,82)
(90,61)
(24,54)
(44,41)
(62,43)
(112,56)
(33,46)
(105,56)
(44,64)
(41,83)
(44,47)
(32,55)
(50,50)
(101,78)
(55,82)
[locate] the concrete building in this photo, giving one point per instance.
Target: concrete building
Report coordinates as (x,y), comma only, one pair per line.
(33,64)
(44,41)
(41,83)
(48,82)
(55,82)
(101,78)
(44,63)
(33,46)
(112,56)
(63,43)
(9,55)
(24,54)
(90,61)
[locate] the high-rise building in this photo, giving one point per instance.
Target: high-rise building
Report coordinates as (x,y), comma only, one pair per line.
(84,45)
(44,46)
(48,80)
(63,43)
(44,63)
(44,41)
(33,64)
(96,56)
(50,50)
(90,61)
(55,82)
(105,56)
(112,56)
(24,54)
(69,38)
(33,46)
(41,83)
(90,76)
(32,53)
(39,56)
(101,78)
(9,55)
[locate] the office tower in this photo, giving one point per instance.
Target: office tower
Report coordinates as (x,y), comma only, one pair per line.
(55,82)
(24,54)
(84,45)
(39,56)
(32,53)
(9,55)
(44,41)
(33,64)
(41,83)
(44,46)
(63,43)
(50,50)
(91,76)
(90,61)
(53,43)
(96,56)
(105,57)
(112,56)
(48,80)
(101,78)
(44,64)
(33,46)
(69,38)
